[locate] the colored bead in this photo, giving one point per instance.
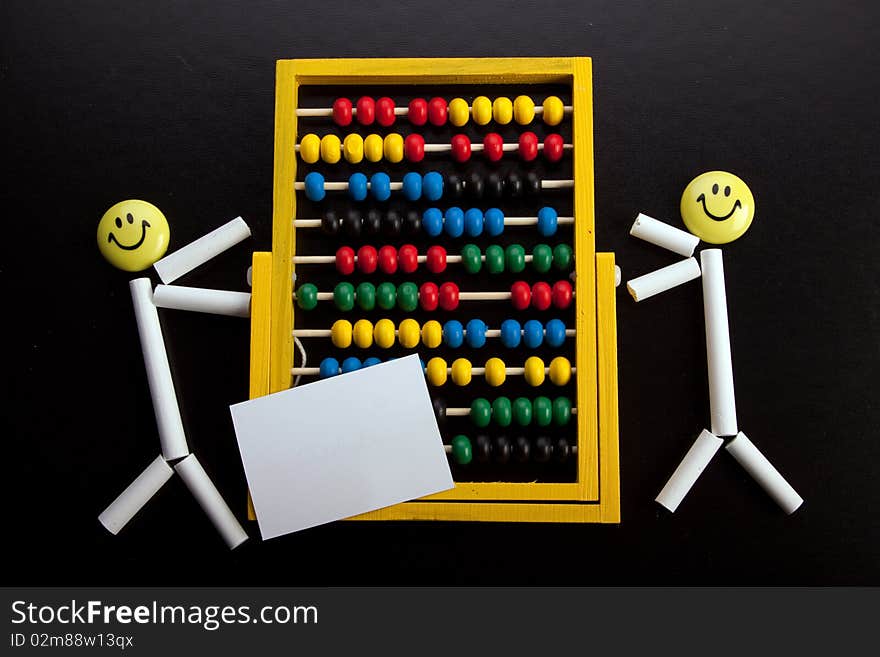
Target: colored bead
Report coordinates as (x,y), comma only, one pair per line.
(454,187)
(493,222)
(362,333)
(385,111)
(461,148)
(531,184)
(372,222)
(461,450)
(514,258)
(542,411)
(523,110)
(493,146)
(522,411)
(494,187)
(511,333)
(380,186)
(502,449)
(345,260)
(391,224)
(435,259)
(453,222)
(513,186)
(432,186)
(542,296)
(547,219)
(561,450)
(342,112)
(475,186)
(562,294)
(314,186)
(561,411)
(432,222)
(408,258)
(562,257)
(555,333)
(353,148)
(494,259)
(481,412)
(475,333)
(386,295)
(481,110)
(533,334)
(383,333)
(435,371)
(553,147)
(448,296)
(366,110)
(372,360)
(330,223)
(534,371)
(439,409)
(560,371)
(328,367)
(542,450)
(367,259)
(351,364)
(352,224)
(473,222)
(392,147)
(496,372)
(482,448)
(340,334)
(528,146)
(408,297)
(307,296)
(542,258)
(429,296)
(459,112)
(471,258)
(365,296)
(388,259)
(432,334)
(461,371)
(522,449)
(414,147)
(408,333)
(373,148)
(502,411)
(554,110)
(412,222)
(310,148)
(453,334)
(331,149)
(437,111)
(502,110)
(417,112)
(520,295)
(357,186)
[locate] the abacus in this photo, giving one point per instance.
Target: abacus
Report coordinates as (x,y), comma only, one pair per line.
(390,236)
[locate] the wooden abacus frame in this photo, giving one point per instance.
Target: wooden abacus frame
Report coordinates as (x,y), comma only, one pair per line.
(595,496)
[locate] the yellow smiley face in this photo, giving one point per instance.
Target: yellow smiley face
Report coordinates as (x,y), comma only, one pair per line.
(132,235)
(718,207)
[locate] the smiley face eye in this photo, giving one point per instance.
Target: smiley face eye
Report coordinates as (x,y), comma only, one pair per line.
(727,191)
(130,218)
(118,222)
(715,188)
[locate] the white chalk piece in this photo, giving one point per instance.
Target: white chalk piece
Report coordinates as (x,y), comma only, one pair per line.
(209,498)
(201,300)
(663,235)
(185,259)
(689,470)
(722,397)
(168,422)
(762,471)
(136,495)
(647,286)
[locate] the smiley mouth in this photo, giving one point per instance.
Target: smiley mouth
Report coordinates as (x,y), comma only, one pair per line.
(144,225)
(702,199)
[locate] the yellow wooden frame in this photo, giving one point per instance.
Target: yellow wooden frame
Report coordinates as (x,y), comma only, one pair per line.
(595,496)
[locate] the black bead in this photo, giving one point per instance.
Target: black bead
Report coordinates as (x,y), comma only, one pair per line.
(439,405)
(532,185)
(352,224)
(412,223)
(392,224)
(373,222)
(522,449)
(454,187)
(494,186)
(482,448)
(513,186)
(543,449)
(502,449)
(562,450)
(330,223)
(475,186)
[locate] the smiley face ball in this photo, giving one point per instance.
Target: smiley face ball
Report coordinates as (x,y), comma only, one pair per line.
(132,235)
(717,206)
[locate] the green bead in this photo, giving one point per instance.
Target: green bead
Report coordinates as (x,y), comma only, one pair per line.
(501,412)
(495,259)
(561,411)
(365,295)
(542,410)
(343,296)
(515,258)
(481,412)
(461,450)
(471,258)
(522,411)
(562,257)
(408,297)
(542,258)
(386,296)
(307,296)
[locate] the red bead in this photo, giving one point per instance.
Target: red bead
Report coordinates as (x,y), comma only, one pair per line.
(385,111)
(437,111)
(493,146)
(342,111)
(428,296)
(366,110)
(520,295)
(408,258)
(553,146)
(528,146)
(461,148)
(388,259)
(435,259)
(542,297)
(414,148)
(418,111)
(562,294)
(345,260)
(367,259)
(449,296)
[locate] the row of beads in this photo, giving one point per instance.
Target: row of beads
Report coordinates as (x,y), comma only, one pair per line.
(414,186)
(502,449)
(540,410)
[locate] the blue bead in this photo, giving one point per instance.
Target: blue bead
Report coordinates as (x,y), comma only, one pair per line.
(454,222)
(315,186)
(494,222)
(357,186)
(422,363)
(432,186)
(412,186)
(555,332)
(533,334)
(351,364)
(380,186)
(476,333)
(328,367)
(547,221)
(511,333)
(453,334)
(473,222)
(372,360)
(432,221)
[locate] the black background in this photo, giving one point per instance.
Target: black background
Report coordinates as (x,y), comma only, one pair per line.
(173,103)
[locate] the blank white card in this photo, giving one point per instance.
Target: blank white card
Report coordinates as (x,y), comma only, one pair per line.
(342,446)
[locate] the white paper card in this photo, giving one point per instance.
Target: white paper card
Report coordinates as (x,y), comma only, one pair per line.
(342,446)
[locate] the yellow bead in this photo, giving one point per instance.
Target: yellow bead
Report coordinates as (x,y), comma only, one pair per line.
(340,334)
(363,333)
(353,148)
(458,112)
(553,110)
(502,110)
(383,333)
(310,148)
(436,371)
(534,371)
(523,110)
(461,371)
(481,109)
(408,333)
(331,149)
(373,148)
(496,372)
(393,147)
(432,334)
(560,371)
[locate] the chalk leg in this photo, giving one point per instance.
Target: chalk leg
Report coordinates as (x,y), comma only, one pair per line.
(762,471)
(136,495)
(689,470)
(209,498)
